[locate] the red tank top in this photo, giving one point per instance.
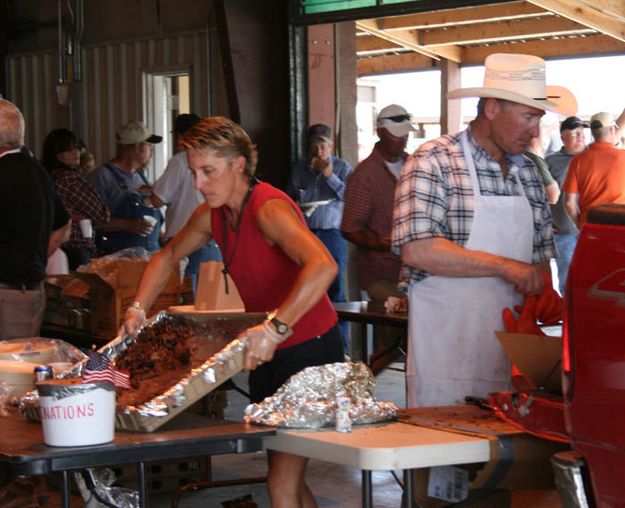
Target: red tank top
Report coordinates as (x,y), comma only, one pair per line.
(263,273)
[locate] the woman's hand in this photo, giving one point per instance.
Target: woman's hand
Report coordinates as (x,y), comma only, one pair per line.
(133,319)
(261,341)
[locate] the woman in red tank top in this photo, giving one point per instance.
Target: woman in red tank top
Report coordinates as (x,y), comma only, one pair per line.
(278,265)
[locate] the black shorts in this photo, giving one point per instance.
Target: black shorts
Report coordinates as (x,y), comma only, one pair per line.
(266,379)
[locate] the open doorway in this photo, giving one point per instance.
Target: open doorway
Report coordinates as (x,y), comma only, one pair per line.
(166,95)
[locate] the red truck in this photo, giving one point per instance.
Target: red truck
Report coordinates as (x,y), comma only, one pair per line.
(589,412)
(593,360)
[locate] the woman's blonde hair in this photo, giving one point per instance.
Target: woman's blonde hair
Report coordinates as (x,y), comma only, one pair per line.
(225,137)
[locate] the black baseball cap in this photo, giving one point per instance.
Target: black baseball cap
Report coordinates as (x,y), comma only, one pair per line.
(320,130)
(572,122)
(185,121)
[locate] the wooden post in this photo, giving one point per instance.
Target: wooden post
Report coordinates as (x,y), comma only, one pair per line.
(451,111)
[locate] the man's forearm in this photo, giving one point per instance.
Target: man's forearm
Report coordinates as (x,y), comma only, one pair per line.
(439,256)
(571,206)
(366,241)
(58,236)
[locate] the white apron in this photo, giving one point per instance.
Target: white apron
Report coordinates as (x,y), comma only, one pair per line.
(453,351)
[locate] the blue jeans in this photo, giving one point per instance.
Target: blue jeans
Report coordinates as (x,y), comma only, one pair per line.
(335,243)
(566,246)
(209,252)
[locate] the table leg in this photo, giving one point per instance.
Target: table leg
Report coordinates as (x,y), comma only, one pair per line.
(65,494)
(408,491)
(143,485)
(367,495)
(364,337)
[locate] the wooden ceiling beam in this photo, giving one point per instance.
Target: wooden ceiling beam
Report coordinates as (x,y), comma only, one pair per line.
(502,31)
(394,63)
(607,16)
(462,15)
(570,47)
(373,43)
(593,45)
(408,39)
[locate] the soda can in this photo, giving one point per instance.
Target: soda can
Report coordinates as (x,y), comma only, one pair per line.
(43,372)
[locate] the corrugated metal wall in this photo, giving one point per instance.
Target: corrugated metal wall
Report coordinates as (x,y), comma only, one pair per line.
(112,88)
(32,80)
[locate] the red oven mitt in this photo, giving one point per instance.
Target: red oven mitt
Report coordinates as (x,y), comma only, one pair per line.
(545,308)
(549,305)
(526,322)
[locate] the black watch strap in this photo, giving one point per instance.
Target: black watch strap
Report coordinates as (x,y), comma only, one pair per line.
(280,327)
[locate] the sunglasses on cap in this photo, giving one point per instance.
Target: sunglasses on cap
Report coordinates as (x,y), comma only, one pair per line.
(397,118)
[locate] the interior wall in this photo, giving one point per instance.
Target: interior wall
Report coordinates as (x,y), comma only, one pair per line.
(111,91)
(122,40)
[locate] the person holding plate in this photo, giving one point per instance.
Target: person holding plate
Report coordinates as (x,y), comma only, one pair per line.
(317,184)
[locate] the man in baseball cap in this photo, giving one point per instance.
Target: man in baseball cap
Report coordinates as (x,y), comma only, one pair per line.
(368,221)
(176,189)
(573,142)
(597,175)
(317,184)
(369,198)
(124,188)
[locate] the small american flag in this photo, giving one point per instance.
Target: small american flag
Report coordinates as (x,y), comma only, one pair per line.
(99,368)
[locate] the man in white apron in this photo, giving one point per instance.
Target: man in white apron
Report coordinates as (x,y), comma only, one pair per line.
(474,231)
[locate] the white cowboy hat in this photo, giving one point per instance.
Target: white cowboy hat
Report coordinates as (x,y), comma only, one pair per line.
(521,79)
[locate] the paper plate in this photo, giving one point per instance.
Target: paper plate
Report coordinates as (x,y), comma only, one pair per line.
(314,204)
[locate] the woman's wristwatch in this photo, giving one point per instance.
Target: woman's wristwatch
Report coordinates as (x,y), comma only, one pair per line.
(280,327)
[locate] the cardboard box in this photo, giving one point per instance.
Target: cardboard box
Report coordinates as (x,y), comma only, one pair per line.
(67,303)
(538,357)
(111,296)
(96,303)
(519,467)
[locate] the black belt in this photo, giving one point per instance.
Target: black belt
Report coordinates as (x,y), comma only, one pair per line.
(32,286)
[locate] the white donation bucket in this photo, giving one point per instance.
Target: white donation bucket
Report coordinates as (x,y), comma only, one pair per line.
(77,414)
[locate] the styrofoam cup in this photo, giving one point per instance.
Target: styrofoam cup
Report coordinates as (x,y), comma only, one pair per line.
(86,228)
(77,414)
(151,220)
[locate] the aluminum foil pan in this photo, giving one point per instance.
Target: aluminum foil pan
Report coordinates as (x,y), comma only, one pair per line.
(214,354)
(309,398)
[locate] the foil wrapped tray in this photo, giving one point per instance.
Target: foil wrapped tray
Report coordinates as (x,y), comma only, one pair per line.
(216,356)
(311,399)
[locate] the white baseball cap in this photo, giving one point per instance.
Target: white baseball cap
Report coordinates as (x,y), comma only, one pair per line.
(396,120)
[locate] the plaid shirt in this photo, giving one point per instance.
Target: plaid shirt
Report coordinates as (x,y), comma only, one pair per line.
(369,197)
(434,197)
(81,201)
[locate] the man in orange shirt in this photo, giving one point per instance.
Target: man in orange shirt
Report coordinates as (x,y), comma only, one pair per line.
(597,175)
